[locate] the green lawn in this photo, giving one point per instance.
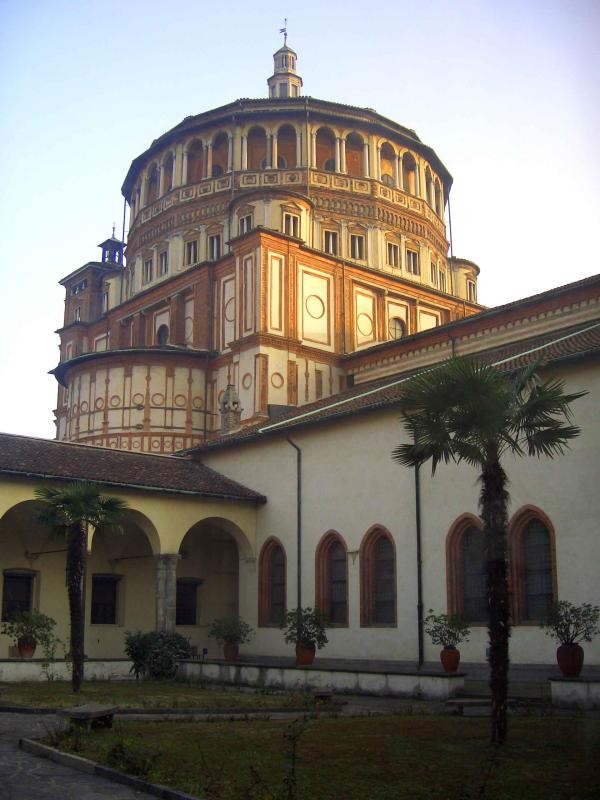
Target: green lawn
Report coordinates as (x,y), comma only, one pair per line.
(371,758)
(145,694)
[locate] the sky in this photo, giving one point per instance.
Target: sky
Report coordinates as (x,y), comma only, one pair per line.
(507,93)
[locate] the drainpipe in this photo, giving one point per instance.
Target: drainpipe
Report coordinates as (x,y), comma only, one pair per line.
(298,520)
(419,569)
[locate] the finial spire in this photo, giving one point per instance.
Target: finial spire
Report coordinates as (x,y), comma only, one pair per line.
(113,233)
(284,31)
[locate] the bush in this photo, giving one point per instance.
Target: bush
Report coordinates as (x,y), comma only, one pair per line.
(156,654)
(571,624)
(446,630)
(231,630)
(305,626)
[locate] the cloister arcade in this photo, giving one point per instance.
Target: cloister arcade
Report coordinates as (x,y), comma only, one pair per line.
(171,566)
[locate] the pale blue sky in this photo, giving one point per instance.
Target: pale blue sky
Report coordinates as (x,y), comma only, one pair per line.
(506,92)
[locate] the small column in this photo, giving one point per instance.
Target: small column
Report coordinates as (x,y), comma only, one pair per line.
(208,161)
(244,151)
(230,153)
(274,151)
(337,154)
(378,164)
(161,180)
(166,591)
(421,181)
(400,174)
(184,168)
(396,172)
(343,155)
(174,171)
(366,171)
(298,148)
(313,150)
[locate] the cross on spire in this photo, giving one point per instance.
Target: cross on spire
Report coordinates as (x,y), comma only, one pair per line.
(284,31)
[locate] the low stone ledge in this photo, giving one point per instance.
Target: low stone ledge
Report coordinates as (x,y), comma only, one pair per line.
(414,685)
(582,693)
(16,670)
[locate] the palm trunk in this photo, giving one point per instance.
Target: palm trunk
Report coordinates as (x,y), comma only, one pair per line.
(75,567)
(493,503)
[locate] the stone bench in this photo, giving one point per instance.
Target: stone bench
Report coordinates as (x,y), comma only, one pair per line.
(90,716)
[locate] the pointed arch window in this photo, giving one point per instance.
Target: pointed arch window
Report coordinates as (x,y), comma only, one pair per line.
(332,579)
(272,584)
(378,579)
(465,570)
(533,565)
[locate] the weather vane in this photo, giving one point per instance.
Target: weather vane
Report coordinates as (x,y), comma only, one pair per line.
(284,31)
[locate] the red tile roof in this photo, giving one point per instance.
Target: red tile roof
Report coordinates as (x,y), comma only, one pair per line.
(544,350)
(25,456)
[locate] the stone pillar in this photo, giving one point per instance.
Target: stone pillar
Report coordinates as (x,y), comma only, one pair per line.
(397,172)
(378,163)
(184,168)
(244,151)
(230,153)
(298,148)
(274,151)
(337,154)
(166,591)
(161,180)
(208,161)
(366,171)
(342,155)
(313,150)
(174,169)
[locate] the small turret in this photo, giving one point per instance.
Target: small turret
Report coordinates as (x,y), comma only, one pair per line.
(284,82)
(112,250)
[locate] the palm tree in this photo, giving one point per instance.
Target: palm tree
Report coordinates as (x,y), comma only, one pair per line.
(470,411)
(69,511)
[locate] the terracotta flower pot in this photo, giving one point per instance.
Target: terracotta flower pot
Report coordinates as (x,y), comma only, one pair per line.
(570,659)
(231,651)
(450,658)
(305,655)
(26,647)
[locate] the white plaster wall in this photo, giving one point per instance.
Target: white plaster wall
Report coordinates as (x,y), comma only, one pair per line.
(350,483)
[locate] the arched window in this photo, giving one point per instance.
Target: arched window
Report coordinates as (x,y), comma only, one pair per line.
(429,195)
(474,591)
(332,579)
(257,148)
(220,154)
(396,328)
(354,155)
(162,335)
(378,579)
(409,173)
(153,184)
(195,162)
(387,164)
(325,150)
(286,147)
(465,568)
(168,173)
(533,567)
(272,584)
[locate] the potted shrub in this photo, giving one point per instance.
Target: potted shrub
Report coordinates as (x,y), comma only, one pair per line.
(305,627)
(231,632)
(447,630)
(28,629)
(570,624)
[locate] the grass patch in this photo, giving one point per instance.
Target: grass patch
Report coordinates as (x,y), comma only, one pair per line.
(380,758)
(145,694)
